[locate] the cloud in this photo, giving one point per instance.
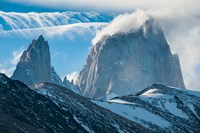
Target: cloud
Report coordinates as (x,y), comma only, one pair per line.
(179,19)
(130,21)
(188,46)
(123,23)
(188,5)
(16,55)
(181,30)
(72,76)
(7,71)
(9,65)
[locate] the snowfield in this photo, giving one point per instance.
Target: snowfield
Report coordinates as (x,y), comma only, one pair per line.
(167,108)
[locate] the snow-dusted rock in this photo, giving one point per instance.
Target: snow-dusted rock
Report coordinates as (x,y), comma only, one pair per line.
(159,108)
(23,110)
(91,117)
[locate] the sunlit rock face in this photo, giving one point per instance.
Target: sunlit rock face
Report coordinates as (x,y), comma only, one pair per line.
(125,63)
(35,64)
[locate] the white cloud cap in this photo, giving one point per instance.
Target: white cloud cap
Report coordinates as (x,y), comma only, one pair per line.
(72,76)
(123,23)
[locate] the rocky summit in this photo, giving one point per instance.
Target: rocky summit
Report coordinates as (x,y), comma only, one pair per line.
(35,66)
(35,63)
(127,62)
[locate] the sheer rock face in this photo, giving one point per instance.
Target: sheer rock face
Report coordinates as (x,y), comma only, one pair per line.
(128,62)
(35,64)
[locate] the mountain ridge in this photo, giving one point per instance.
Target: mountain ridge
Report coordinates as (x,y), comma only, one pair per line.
(53,108)
(26,106)
(159,107)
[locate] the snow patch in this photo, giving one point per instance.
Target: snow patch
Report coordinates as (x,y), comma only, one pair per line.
(193,110)
(135,114)
(119,101)
(153,94)
(172,108)
(111,95)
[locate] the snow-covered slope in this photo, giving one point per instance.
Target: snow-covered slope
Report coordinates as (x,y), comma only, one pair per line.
(14,20)
(159,108)
(92,117)
(23,110)
(155,109)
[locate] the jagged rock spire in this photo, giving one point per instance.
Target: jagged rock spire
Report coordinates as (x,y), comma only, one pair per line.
(35,64)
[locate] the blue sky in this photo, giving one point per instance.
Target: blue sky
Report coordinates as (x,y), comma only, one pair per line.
(69,47)
(179,19)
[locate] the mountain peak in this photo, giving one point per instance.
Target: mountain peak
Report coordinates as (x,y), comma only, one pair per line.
(40,42)
(138,57)
(41,38)
(35,64)
(126,23)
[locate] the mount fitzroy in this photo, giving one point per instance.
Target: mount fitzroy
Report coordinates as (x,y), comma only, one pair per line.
(127,62)
(35,66)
